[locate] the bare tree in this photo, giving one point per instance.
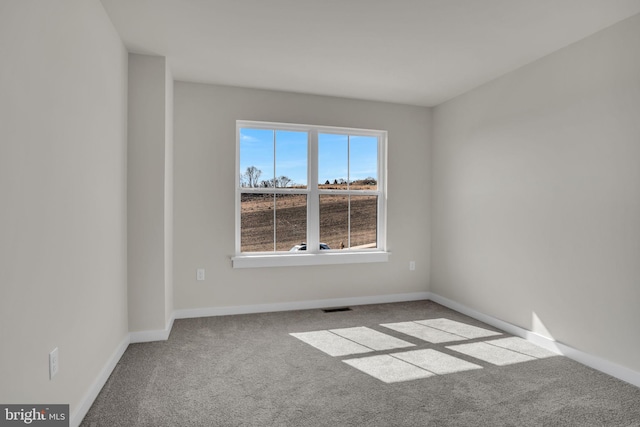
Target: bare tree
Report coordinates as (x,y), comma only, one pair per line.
(252,174)
(251,178)
(369,181)
(283,181)
(266,183)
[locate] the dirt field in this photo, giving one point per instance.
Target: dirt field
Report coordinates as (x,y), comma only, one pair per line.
(291,225)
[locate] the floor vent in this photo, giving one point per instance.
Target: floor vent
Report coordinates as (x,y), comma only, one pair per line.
(335,310)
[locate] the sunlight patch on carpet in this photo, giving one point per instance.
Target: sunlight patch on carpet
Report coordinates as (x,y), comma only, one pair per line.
(388,369)
(436,362)
(331,343)
(371,338)
(491,353)
(458,328)
(522,346)
(423,332)
(420,362)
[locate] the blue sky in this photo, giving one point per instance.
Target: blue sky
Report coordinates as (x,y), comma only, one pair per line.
(256,149)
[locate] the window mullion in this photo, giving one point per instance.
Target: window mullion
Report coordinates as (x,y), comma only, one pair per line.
(273,181)
(381,232)
(349,189)
(313,202)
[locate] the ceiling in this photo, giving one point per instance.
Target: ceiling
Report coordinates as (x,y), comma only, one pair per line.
(418,52)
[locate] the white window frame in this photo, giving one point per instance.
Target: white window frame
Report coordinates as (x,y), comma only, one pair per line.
(313,255)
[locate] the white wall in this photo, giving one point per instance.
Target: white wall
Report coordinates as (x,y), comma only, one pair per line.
(149,200)
(204,209)
(168,198)
(63,113)
(536,196)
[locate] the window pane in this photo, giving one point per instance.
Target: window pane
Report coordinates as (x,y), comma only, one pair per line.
(291,159)
(291,220)
(334,220)
(364,222)
(256,157)
(347,187)
(256,222)
(363,162)
(333,160)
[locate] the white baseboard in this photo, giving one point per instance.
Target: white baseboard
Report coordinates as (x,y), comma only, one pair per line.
(298,305)
(90,396)
(155,335)
(597,363)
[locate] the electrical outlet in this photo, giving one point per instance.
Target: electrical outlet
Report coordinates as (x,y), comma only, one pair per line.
(200,274)
(412,265)
(53,363)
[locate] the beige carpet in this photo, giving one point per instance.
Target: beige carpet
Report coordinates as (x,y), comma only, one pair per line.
(403,364)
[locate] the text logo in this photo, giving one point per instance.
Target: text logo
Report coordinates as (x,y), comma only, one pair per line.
(34,415)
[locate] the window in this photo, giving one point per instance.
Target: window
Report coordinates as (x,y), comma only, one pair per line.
(309,195)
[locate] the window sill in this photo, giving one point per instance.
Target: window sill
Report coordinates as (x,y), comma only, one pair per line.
(294,260)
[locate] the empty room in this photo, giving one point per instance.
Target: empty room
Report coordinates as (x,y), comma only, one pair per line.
(314,213)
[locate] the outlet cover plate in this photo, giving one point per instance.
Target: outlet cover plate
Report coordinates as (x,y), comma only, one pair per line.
(53,363)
